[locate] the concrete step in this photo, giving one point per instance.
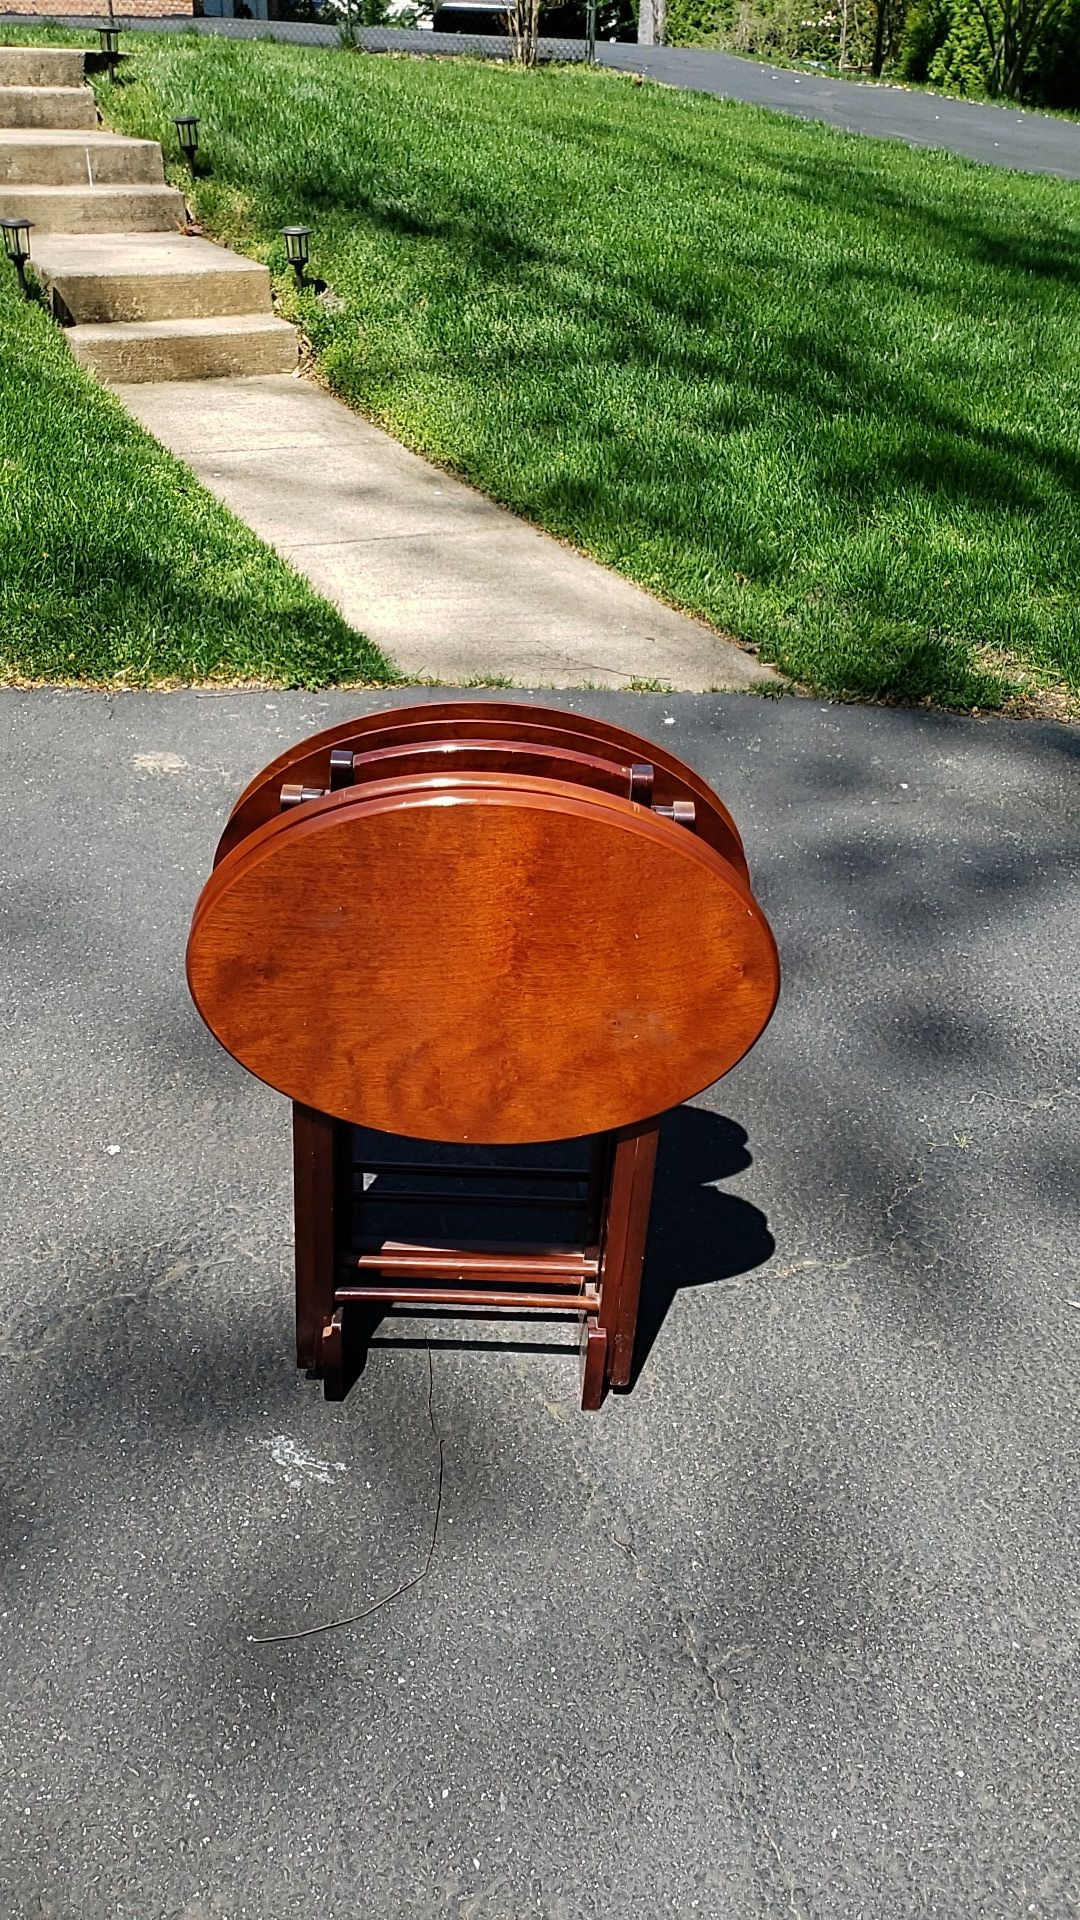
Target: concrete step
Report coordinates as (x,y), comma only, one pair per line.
(214,349)
(47,107)
(41,67)
(95,209)
(77,158)
(146,276)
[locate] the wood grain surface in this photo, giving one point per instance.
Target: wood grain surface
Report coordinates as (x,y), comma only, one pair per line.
(496,959)
(308,762)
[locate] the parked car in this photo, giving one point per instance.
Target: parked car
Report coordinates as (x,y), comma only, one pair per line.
(561,22)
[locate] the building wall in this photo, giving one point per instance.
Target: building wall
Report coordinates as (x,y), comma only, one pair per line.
(126,9)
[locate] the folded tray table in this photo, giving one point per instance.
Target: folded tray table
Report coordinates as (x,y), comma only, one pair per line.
(478,926)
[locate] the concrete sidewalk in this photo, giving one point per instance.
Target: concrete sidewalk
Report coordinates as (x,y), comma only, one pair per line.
(790,1630)
(449,585)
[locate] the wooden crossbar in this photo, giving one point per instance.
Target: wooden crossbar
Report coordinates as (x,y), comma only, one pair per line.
(490,1299)
(436,1169)
(552,1266)
(413,1197)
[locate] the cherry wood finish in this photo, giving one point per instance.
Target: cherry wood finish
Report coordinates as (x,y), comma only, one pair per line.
(321,1203)
(309,763)
(491,924)
(503,961)
(632,779)
(626,1225)
(341,1272)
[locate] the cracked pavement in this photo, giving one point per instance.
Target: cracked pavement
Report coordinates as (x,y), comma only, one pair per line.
(789,1630)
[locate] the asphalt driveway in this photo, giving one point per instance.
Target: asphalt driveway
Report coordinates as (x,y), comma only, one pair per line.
(789,1630)
(998,136)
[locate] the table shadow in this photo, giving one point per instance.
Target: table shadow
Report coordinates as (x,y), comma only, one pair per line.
(698,1235)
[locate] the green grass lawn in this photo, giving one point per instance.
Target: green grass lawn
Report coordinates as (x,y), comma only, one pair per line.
(822,391)
(115,564)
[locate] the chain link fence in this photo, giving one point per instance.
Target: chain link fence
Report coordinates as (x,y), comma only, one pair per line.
(529,33)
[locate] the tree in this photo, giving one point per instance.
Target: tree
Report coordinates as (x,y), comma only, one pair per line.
(523,26)
(1013,29)
(1054,78)
(1011,49)
(890,18)
(652,23)
(877,58)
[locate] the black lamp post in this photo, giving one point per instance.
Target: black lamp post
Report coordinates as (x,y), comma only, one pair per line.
(296,249)
(17,245)
(110,47)
(187,132)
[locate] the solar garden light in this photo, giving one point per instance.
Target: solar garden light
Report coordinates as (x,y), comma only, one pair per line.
(187,132)
(110,47)
(296,249)
(17,245)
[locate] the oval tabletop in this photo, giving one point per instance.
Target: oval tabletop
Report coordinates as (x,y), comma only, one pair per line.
(495,963)
(307,762)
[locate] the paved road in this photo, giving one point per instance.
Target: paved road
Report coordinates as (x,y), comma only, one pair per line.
(999,136)
(790,1630)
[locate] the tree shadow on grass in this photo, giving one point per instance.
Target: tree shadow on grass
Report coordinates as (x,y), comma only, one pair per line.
(699,318)
(1051,251)
(178,612)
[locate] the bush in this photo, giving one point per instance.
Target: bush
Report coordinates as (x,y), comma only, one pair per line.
(962,62)
(945,44)
(937,42)
(925,28)
(697,23)
(781,29)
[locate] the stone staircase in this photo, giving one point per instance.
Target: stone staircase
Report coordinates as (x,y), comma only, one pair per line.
(140,299)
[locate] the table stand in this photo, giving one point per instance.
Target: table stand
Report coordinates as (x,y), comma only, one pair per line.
(344,1266)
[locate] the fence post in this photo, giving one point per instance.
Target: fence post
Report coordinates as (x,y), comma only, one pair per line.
(590,33)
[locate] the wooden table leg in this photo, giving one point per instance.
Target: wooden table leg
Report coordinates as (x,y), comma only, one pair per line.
(332,1357)
(321,1193)
(598,1187)
(627,1225)
(594,1362)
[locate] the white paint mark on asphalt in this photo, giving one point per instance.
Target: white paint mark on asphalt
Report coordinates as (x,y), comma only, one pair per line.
(300,1466)
(159,763)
